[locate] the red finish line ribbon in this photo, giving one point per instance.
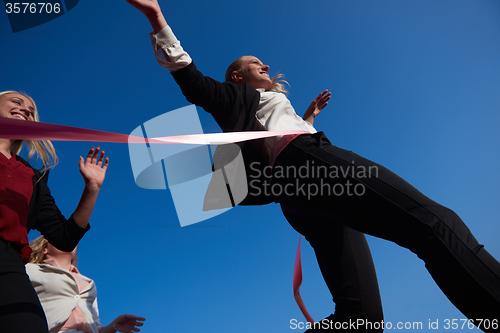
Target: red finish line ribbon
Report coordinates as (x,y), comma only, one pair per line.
(29,130)
(297,281)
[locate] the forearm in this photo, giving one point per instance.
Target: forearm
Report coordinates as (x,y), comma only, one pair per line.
(86,205)
(157,21)
(309,115)
(151,9)
(309,118)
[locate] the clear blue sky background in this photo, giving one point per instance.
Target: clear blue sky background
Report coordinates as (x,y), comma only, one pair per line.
(415,87)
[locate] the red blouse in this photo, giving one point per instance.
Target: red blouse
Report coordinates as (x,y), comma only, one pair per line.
(16,188)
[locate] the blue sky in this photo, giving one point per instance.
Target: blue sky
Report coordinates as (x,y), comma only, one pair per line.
(415,87)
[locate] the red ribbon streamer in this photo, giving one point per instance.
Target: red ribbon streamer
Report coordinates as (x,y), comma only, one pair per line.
(297,281)
(29,130)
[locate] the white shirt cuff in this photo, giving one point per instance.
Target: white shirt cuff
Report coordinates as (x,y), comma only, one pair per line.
(168,50)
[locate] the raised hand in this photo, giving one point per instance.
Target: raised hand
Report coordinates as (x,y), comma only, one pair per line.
(317,105)
(92,169)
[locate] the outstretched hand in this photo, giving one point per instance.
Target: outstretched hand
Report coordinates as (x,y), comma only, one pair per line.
(128,323)
(92,168)
(317,105)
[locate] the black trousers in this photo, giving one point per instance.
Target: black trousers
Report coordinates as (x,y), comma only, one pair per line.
(20,309)
(326,190)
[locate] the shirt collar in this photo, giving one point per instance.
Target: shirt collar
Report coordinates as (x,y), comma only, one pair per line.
(53,263)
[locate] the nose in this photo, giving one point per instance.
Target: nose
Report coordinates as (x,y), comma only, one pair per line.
(265,67)
(26,111)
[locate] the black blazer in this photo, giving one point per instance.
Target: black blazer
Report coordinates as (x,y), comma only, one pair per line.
(233,108)
(44,216)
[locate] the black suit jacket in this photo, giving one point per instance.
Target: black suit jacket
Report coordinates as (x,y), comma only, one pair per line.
(233,108)
(44,216)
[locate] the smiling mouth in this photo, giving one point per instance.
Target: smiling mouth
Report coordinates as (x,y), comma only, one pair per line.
(19,116)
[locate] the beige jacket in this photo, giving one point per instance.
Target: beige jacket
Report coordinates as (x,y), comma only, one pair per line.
(58,292)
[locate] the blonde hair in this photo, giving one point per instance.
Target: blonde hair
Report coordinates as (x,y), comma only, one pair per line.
(38,245)
(43,149)
(278,81)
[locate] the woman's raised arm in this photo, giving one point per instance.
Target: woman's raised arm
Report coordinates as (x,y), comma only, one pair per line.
(93,169)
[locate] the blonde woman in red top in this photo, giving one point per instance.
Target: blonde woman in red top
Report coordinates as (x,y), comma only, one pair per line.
(25,204)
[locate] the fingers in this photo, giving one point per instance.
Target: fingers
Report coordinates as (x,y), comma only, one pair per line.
(106,162)
(325,95)
(99,163)
(94,158)
(130,322)
(90,155)
(137,321)
(101,159)
(323,99)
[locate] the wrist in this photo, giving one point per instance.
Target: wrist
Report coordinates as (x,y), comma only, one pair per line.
(157,20)
(91,188)
(154,14)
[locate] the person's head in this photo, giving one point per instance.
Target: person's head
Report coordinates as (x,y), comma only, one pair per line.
(42,249)
(20,106)
(249,69)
